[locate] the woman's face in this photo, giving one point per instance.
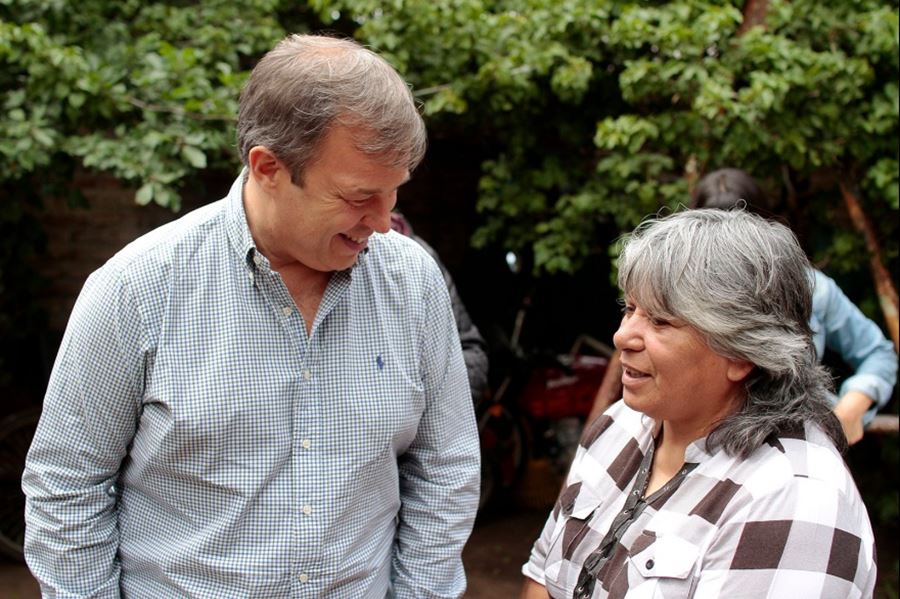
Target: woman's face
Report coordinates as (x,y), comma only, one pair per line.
(672,375)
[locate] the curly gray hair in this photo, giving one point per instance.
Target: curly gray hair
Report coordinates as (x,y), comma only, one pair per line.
(746,285)
(307,84)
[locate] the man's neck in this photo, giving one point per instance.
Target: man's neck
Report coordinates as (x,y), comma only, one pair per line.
(306,285)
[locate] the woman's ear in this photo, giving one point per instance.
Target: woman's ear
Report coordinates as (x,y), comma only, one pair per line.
(738,370)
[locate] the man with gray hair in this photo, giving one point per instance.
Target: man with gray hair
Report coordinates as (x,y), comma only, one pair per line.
(267,397)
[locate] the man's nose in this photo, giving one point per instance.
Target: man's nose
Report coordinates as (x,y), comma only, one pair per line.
(379,218)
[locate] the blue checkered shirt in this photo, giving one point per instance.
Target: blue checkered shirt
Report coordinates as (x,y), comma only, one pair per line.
(196,441)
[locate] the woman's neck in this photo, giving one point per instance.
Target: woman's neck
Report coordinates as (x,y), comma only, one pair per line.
(668,456)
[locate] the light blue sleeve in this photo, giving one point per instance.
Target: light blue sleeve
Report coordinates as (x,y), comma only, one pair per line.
(89,418)
(839,325)
(440,471)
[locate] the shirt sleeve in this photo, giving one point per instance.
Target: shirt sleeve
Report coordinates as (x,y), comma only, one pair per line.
(858,341)
(440,471)
(474,347)
(534,567)
(88,420)
(805,540)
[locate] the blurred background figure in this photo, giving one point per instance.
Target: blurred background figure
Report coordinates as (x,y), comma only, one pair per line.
(473,344)
(837,323)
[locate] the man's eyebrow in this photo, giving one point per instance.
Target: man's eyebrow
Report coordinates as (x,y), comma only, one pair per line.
(367,191)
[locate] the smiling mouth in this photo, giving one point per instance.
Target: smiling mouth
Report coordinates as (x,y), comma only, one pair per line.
(356,240)
(634,373)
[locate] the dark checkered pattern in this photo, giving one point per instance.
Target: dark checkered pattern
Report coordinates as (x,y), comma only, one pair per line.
(197,442)
(787,522)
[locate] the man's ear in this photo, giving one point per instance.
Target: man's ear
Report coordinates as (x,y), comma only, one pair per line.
(738,370)
(265,168)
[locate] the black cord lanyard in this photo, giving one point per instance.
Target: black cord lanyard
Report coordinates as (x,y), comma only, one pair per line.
(634,506)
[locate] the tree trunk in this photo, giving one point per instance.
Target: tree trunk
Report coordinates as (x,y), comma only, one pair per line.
(887,293)
(754,14)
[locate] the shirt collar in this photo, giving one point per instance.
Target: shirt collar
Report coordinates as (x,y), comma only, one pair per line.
(694,453)
(236,221)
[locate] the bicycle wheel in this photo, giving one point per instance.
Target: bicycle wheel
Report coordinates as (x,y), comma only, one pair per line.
(16,432)
(504,451)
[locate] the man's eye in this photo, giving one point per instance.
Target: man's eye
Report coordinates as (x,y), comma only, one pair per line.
(355,200)
(659,322)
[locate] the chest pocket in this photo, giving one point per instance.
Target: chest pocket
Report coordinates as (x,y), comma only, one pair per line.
(573,536)
(666,564)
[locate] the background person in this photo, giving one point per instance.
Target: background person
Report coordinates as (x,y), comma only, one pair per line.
(267,397)
(720,473)
(836,322)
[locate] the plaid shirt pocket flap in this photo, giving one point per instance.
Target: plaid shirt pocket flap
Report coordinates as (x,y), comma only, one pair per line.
(666,557)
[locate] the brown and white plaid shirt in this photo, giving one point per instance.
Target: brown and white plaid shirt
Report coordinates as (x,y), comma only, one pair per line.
(786,522)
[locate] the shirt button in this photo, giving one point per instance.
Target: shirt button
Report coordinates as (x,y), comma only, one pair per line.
(650,563)
(306,443)
(307,509)
(257,260)
(307,374)
(303,577)
(286,310)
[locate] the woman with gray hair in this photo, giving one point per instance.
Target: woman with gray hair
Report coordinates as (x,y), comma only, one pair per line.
(720,473)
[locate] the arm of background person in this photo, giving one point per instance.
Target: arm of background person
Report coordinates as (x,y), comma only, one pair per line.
(610,389)
(863,346)
(473,344)
(440,472)
(89,418)
(533,590)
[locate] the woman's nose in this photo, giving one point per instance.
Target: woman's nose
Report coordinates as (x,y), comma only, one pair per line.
(628,336)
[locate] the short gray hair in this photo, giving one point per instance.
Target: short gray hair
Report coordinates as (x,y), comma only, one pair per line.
(746,285)
(307,84)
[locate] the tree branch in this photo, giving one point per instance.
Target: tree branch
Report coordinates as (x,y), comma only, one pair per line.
(754,14)
(887,293)
(174,109)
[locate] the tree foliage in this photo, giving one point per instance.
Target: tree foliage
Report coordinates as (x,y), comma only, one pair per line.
(607,111)
(593,113)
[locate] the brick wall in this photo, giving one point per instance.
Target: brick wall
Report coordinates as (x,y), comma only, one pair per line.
(439,201)
(80,239)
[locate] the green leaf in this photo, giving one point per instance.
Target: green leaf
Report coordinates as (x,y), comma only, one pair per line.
(144,195)
(194,156)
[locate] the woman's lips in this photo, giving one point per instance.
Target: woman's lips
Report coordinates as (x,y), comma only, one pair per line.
(631,375)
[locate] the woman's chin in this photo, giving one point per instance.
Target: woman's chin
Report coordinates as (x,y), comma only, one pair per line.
(632,402)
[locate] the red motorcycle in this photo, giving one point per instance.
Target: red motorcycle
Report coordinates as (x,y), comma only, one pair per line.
(537,409)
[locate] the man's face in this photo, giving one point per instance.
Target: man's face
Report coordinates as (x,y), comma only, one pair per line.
(345,196)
